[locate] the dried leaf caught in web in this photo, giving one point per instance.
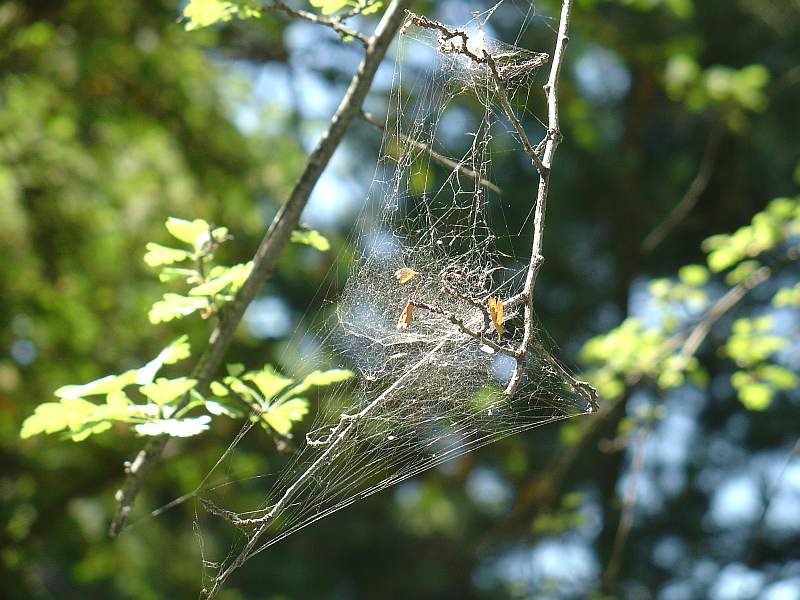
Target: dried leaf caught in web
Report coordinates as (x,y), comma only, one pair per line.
(496,312)
(406,316)
(405,275)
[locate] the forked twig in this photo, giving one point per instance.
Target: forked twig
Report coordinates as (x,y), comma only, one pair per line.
(456,41)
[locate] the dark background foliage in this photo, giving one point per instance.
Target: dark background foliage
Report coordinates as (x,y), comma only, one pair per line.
(113,117)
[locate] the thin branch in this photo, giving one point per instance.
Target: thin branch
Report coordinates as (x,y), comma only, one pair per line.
(435,156)
(550,145)
(285,221)
(628,504)
(459,322)
(334,23)
(696,189)
(509,110)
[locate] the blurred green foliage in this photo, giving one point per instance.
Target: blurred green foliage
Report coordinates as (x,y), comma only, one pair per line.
(113,118)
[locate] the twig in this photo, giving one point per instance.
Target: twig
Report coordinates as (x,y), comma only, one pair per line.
(628,504)
(334,23)
(266,256)
(459,322)
(340,433)
(435,156)
(550,145)
(690,198)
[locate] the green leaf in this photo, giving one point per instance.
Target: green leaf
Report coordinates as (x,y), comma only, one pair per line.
(172,273)
(218,389)
(118,402)
(329,6)
(693,275)
(104,385)
(226,277)
(158,255)
(220,408)
(48,417)
(372,8)
(320,378)
(311,237)
(178,350)
(234,369)
(175,427)
(175,306)
(281,415)
(755,396)
(189,231)
(781,378)
(269,382)
(164,390)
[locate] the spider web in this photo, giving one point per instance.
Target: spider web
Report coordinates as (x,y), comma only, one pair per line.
(426,391)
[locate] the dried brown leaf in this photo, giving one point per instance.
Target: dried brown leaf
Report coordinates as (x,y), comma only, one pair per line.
(405,275)
(496,313)
(406,316)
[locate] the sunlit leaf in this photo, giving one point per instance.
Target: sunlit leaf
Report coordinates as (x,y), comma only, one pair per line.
(162,255)
(311,237)
(49,417)
(268,381)
(104,385)
(178,350)
(175,306)
(230,278)
(281,415)
(175,427)
(319,379)
(693,275)
(329,6)
(165,390)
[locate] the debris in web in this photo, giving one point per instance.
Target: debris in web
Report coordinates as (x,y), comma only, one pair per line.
(431,316)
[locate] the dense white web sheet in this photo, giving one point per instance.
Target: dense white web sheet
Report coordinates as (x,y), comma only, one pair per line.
(426,391)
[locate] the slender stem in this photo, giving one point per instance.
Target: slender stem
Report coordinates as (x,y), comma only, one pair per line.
(334,23)
(272,244)
(551,143)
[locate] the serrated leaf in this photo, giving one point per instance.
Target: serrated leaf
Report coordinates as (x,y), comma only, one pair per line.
(178,350)
(104,385)
(320,378)
(158,255)
(188,231)
(49,417)
(163,390)
(281,415)
(269,382)
(175,427)
(311,237)
(231,278)
(175,306)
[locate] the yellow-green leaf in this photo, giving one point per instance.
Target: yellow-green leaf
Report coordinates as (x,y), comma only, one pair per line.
(163,390)
(311,237)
